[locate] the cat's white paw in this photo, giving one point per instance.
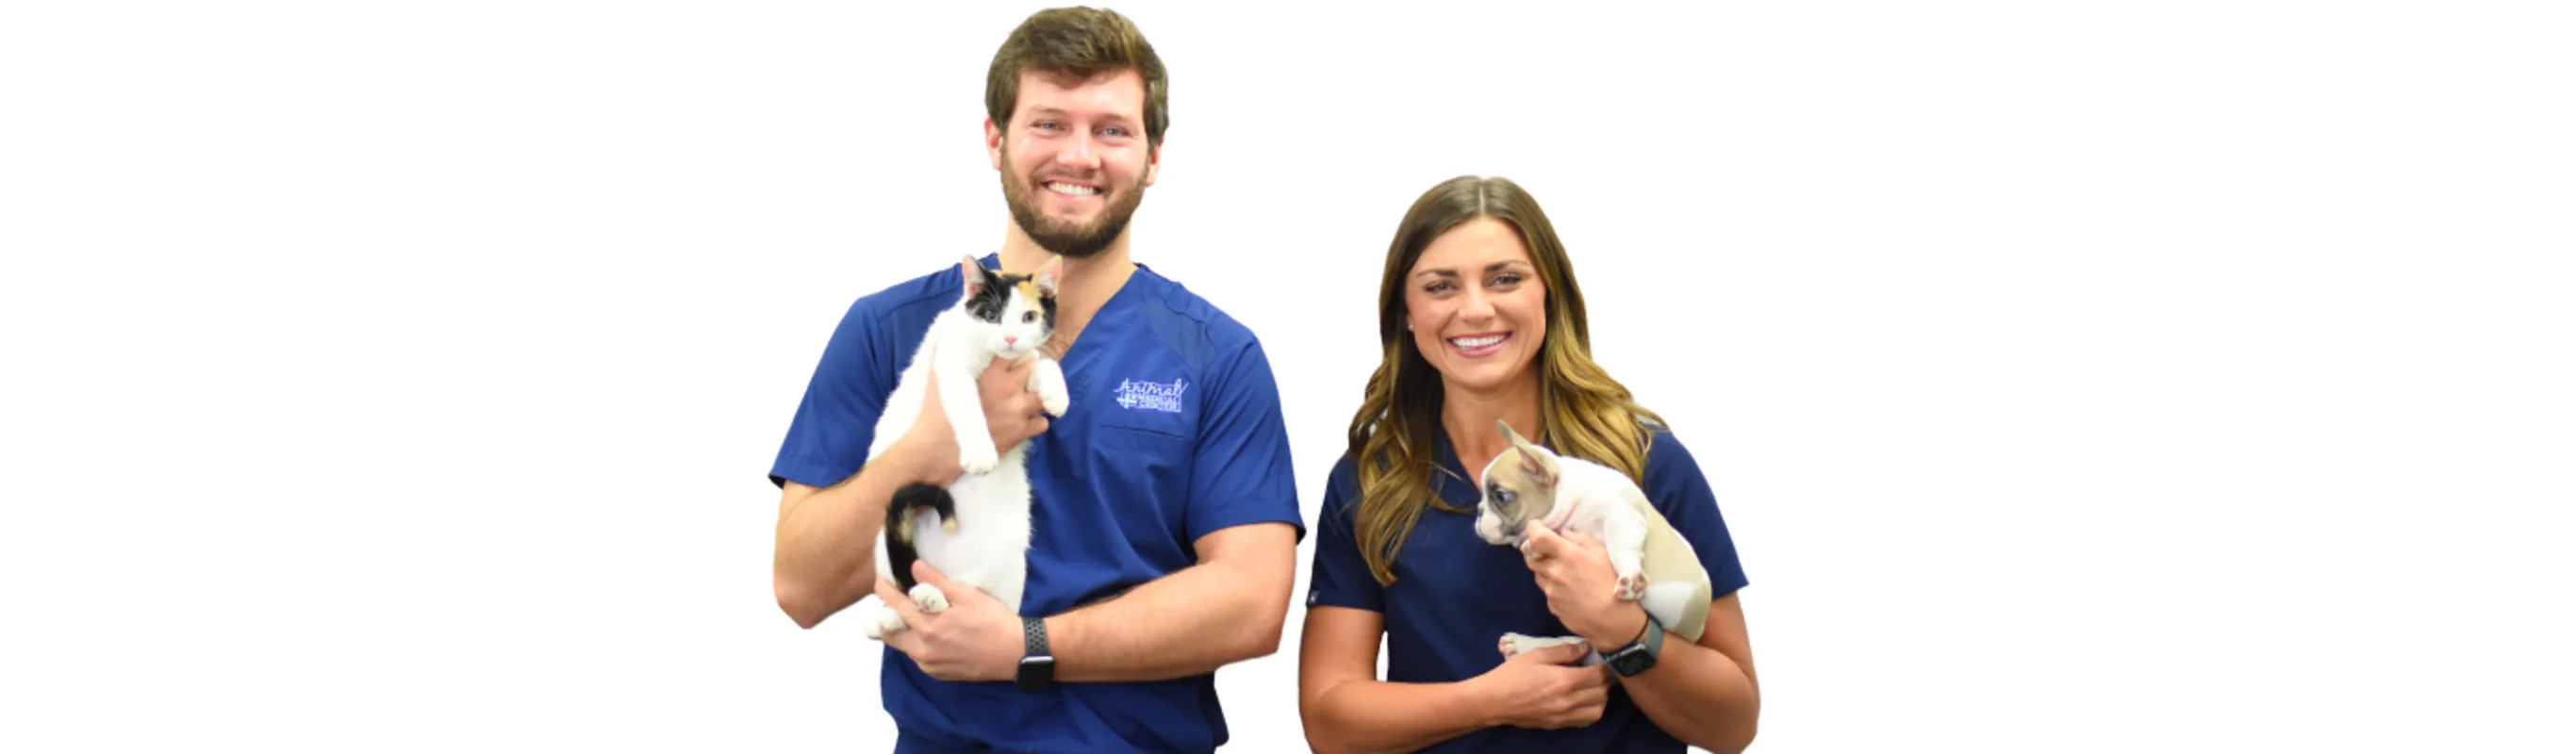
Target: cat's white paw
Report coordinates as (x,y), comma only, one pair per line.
(885,621)
(978,457)
(1632,587)
(1048,381)
(929,598)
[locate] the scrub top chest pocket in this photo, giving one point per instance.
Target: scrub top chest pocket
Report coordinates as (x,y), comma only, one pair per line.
(1144,437)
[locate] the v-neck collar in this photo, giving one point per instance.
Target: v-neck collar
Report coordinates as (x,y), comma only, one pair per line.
(1102,322)
(1453,471)
(1446,455)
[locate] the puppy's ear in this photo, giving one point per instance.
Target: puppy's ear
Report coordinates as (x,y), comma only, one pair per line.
(1540,466)
(1535,461)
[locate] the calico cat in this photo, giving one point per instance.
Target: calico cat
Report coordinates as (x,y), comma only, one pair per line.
(1656,566)
(980,536)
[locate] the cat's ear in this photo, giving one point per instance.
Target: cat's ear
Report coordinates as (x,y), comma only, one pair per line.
(977,278)
(1048,275)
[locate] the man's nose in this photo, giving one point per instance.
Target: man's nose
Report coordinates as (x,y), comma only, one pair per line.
(1078,153)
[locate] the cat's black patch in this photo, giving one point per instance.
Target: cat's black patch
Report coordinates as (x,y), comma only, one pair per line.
(898,542)
(988,302)
(1046,303)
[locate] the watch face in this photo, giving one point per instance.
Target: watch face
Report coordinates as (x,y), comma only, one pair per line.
(1632,662)
(1035,673)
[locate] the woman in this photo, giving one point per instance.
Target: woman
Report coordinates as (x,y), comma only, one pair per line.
(1481,321)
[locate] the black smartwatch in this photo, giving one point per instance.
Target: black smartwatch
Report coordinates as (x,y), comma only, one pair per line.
(1037,668)
(1639,655)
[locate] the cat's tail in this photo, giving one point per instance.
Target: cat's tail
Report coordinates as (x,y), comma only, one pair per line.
(898,526)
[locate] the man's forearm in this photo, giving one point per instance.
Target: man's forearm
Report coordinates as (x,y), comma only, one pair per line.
(1190,622)
(826,551)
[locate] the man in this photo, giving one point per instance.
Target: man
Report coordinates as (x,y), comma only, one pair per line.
(1165,520)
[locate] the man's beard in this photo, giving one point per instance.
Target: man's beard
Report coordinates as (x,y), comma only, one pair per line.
(1064,238)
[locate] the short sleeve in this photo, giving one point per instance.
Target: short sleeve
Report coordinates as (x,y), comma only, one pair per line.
(1682,494)
(837,420)
(1341,578)
(1239,470)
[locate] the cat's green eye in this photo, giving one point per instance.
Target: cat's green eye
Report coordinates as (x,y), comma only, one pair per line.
(1028,316)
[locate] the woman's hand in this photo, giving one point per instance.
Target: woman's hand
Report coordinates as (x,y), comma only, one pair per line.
(1581,588)
(1537,689)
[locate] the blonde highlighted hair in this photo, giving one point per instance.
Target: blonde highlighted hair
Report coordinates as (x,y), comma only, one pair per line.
(1583,412)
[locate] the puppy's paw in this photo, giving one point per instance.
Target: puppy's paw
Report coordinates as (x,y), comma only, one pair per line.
(1632,587)
(929,598)
(1515,644)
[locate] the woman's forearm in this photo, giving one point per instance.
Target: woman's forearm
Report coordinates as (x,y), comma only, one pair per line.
(1698,695)
(1372,715)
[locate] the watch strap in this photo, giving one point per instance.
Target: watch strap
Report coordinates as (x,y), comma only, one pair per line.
(1033,634)
(1639,655)
(1037,665)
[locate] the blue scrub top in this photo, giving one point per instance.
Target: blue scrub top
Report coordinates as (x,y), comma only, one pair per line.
(1174,432)
(1455,594)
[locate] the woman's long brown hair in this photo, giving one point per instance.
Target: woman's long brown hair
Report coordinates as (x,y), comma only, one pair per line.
(1585,413)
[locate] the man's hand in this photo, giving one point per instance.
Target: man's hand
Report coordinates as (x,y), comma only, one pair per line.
(1012,408)
(1011,411)
(975,639)
(1580,585)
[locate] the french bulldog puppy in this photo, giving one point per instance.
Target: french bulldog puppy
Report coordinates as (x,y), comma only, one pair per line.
(1655,565)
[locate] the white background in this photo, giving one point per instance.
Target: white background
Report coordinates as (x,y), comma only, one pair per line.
(2173,375)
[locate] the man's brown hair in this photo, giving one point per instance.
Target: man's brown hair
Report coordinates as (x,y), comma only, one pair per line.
(1079,44)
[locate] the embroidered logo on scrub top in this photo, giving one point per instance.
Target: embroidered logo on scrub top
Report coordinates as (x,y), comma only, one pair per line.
(1136,395)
